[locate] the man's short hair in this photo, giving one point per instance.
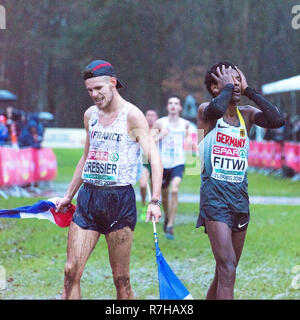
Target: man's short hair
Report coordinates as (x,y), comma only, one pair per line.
(87,74)
(209,80)
(173,96)
(151,110)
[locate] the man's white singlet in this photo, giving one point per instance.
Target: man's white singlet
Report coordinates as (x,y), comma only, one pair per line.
(171,147)
(113,156)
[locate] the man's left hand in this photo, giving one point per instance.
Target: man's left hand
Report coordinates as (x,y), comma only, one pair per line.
(153,211)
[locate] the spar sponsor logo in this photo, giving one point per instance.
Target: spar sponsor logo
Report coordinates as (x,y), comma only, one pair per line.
(243,153)
(114,157)
(229,152)
(225,151)
(230,141)
(98,155)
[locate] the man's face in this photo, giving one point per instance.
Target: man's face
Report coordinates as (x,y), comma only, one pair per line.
(174,106)
(32,130)
(101,90)
(151,117)
(236,95)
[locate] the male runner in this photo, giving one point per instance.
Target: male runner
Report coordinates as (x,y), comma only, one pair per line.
(224,202)
(151,117)
(115,130)
(172,130)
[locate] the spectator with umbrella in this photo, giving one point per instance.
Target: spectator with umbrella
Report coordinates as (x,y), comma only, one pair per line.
(3,130)
(32,134)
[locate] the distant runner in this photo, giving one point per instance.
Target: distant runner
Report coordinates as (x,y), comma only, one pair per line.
(151,117)
(224,201)
(115,130)
(172,131)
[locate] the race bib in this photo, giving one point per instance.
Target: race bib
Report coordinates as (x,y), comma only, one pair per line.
(101,168)
(228,163)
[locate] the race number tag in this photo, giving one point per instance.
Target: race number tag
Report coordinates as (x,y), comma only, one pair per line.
(101,167)
(228,164)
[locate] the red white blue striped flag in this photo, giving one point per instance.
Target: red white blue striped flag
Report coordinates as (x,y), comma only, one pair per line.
(44,209)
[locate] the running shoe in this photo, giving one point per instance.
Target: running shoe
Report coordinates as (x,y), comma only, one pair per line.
(169,233)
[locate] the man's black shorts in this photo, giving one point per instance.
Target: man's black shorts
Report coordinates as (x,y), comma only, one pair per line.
(171,173)
(105,209)
(237,222)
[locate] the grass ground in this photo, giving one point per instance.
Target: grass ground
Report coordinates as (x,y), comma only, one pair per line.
(33,252)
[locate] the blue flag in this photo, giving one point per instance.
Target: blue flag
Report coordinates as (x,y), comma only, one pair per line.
(170,287)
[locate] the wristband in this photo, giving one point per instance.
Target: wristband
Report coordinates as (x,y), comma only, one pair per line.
(156,202)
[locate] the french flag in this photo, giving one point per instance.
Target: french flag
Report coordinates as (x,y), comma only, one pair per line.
(44,209)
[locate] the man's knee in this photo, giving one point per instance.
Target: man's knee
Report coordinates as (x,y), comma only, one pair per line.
(121,281)
(72,271)
(226,269)
(143,182)
(143,185)
(174,190)
(165,193)
(175,185)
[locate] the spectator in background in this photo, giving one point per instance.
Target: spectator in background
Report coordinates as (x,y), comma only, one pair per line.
(151,116)
(32,134)
(257,133)
(288,128)
(21,122)
(12,127)
(3,130)
(296,130)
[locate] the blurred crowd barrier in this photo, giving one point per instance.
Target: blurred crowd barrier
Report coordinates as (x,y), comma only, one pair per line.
(275,155)
(190,144)
(21,167)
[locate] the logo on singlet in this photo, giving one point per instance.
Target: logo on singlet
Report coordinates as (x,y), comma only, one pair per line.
(114,157)
(243,154)
(94,122)
(222,127)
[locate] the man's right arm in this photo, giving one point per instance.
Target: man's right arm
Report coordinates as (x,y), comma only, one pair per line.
(77,180)
(203,124)
(157,131)
(139,130)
